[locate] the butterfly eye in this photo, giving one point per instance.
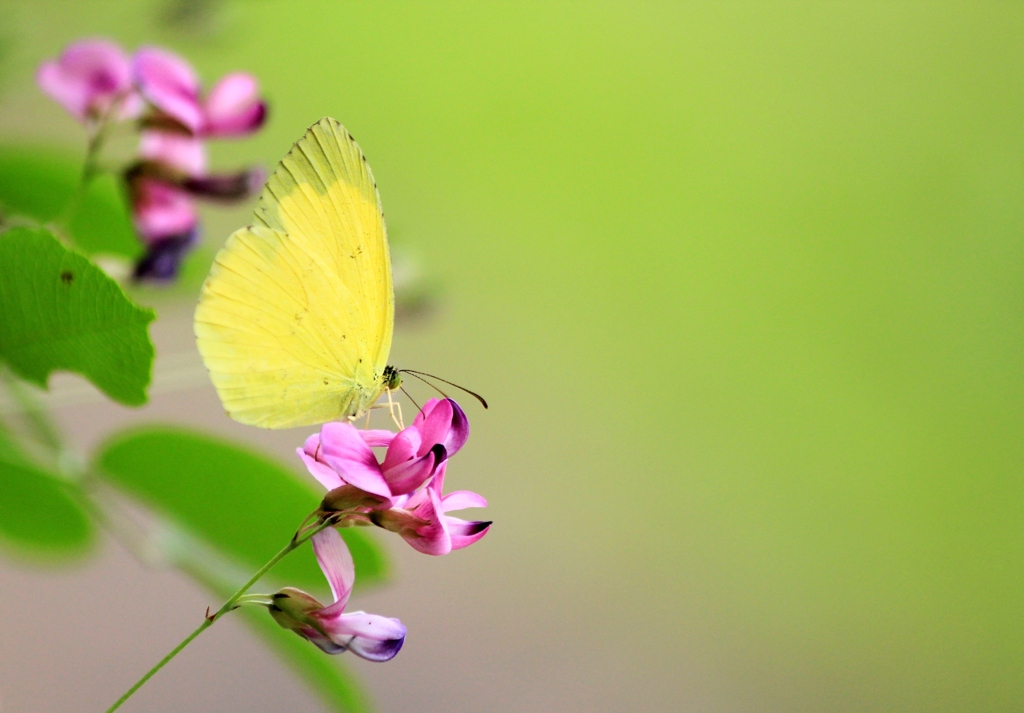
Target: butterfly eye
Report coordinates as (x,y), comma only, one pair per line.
(392,379)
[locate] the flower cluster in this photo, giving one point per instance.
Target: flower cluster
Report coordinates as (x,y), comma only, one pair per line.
(403,493)
(99,84)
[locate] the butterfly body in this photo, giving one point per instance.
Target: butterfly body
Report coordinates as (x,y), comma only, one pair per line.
(295,320)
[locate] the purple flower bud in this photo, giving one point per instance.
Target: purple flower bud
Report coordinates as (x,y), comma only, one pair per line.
(163,257)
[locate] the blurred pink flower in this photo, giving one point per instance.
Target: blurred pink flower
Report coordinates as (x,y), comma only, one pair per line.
(88,78)
(161,209)
(232,107)
(163,183)
(93,77)
(370,636)
(174,149)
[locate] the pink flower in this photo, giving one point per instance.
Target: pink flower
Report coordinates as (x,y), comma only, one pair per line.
(421,518)
(163,183)
(372,637)
(341,454)
(176,150)
(232,108)
(161,210)
(403,493)
(89,78)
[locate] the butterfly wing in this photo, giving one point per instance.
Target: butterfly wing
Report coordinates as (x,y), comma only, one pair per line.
(295,319)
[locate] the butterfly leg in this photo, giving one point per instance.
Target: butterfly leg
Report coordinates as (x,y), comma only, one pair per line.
(392,405)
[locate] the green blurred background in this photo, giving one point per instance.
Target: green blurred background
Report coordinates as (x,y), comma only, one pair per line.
(743,283)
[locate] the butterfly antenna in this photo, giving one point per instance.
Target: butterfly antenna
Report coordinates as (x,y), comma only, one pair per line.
(412,373)
(420,374)
(418,407)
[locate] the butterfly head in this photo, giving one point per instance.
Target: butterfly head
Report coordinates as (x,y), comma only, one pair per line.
(391,378)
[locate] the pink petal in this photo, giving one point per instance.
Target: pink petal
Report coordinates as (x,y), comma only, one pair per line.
(464,533)
(168,82)
(131,106)
(185,153)
(87,77)
(428,406)
(336,562)
(376,651)
(437,484)
(321,471)
(414,501)
(342,448)
(361,624)
(462,499)
(434,428)
(403,447)
(161,210)
(233,107)
(101,61)
(325,644)
(433,538)
(373,637)
(458,432)
(377,437)
(68,91)
(311,446)
(406,477)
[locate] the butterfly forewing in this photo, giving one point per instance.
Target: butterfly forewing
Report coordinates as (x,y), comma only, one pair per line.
(295,320)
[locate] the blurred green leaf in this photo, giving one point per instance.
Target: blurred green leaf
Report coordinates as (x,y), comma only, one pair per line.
(38,515)
(237,500)
(38,184)
(324,674)
(59,311)
(9,450)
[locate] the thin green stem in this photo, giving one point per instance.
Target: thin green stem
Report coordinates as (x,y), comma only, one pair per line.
(91,165)
(42,426)
(207,623)
(230,604)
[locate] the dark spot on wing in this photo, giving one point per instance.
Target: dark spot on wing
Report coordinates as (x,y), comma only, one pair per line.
(67,277)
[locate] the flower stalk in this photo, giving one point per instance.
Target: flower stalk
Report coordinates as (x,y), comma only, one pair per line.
(233,602)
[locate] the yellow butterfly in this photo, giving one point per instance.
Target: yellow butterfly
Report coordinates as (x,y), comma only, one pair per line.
(295,319)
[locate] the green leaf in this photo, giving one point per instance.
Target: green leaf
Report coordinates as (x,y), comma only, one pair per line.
(59,311)
(237,500)
(39,183)
(38,514)
(9,450)
(323,672)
